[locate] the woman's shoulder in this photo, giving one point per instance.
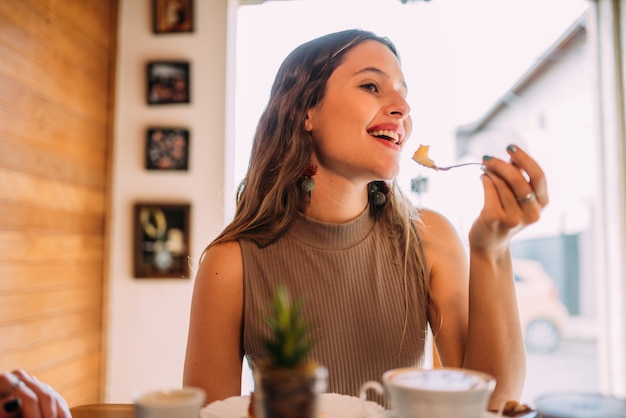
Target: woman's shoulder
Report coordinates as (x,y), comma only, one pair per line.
(221,257)
(441,241)
(430,218)
(221,249)
(433,225)
(224,247)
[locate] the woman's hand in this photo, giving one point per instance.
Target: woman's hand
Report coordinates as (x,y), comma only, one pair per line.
(515,194)
(22,395)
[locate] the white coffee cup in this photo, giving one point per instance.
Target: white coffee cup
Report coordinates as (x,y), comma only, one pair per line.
(173,403)
(580,405)
(434,393)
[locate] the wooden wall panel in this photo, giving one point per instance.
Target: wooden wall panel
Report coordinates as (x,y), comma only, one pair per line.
(51,327)
(20,216)
(47,192)
(56,93)
(58,352)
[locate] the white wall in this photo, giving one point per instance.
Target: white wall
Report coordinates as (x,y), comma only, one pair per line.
(148,318)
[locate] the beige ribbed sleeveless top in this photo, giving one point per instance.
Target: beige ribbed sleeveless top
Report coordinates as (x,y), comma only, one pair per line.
(351,278)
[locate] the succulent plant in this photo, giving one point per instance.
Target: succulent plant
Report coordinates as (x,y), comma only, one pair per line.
(290,340)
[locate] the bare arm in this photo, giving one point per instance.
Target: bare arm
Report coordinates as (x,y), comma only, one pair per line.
(480,327)
(475,322)
(214,348)
(449,287)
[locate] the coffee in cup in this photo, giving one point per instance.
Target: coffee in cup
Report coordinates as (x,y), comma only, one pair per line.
(174,403)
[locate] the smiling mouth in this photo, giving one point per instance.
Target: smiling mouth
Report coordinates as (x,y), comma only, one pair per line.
(387,135)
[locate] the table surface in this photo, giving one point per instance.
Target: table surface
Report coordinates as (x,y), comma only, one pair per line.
(124,410)
(104,410)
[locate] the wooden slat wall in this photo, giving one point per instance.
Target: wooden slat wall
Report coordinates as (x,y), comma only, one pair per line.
(56,90)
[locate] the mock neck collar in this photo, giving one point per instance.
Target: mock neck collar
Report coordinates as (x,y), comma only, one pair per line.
(331,236)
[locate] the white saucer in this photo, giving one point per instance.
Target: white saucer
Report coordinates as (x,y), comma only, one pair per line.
(332,405)
(389,414)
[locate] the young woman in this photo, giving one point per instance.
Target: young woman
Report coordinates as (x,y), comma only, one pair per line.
(319,211)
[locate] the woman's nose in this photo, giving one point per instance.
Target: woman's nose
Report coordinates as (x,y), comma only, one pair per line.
(399,107)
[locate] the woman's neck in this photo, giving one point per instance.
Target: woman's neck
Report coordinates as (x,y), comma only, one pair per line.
(332,204)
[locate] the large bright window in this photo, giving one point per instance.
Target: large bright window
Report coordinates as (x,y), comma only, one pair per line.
(481,74)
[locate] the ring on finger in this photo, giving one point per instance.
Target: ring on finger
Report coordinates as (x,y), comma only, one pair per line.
(12,406)
(11,389)
(529,197)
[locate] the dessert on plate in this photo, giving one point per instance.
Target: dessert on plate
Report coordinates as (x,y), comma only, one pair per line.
(515,409)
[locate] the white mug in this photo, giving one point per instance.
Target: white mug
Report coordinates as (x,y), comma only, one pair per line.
(174,403)
(580,405)
(434,393)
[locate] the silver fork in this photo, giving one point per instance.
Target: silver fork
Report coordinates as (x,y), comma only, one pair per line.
(454,166)
(435,167)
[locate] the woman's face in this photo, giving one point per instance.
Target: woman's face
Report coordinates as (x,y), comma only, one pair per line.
(362,123)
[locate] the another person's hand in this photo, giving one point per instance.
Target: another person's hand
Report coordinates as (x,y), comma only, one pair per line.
(22,395)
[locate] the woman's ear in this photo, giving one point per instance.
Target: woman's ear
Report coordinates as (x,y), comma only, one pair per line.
(308,122)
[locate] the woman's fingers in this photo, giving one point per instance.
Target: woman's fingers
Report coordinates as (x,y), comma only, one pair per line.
(515,192)
(537,178)
(523,182)
(505,205)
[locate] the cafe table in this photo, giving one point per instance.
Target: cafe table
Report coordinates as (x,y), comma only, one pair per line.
(123,410)
(104,410)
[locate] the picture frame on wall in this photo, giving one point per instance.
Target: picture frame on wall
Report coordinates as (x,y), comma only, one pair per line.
(172,16)
(167,149)
(167,82)
(161,240)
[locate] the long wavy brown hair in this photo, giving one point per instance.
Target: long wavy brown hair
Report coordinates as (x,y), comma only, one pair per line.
(269,196)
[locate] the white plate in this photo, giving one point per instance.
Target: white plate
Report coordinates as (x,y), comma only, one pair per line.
(389,414)
(332,405)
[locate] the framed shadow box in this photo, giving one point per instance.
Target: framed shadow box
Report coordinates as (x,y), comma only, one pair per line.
(161,240)
(167,149)
(167,82)
(172,16)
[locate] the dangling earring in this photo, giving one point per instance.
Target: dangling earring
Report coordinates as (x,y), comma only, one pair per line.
(378,192)
(307,184)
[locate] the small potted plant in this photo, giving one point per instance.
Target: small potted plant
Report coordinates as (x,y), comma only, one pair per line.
(288,382)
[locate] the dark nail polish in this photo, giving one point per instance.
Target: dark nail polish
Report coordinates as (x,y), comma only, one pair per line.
(512,148)
(12,405)
(486,157)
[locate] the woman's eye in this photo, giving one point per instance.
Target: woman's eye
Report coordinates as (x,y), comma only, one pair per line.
(370,86)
